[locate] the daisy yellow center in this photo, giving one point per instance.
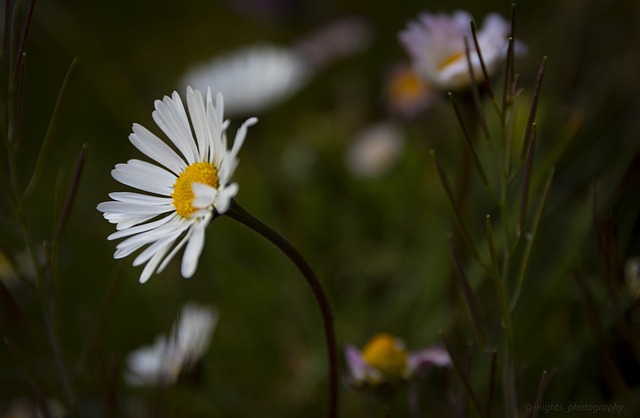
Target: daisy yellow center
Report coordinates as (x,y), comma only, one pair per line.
(407,84)
(387,354)
(450,60)
(182,195)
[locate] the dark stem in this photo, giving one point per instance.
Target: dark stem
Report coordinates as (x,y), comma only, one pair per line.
(239,214)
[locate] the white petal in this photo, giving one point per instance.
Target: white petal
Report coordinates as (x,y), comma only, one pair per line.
(145,176)
(154,148)
(192,252)
(171,117)
(140,198)
(437,356)
(198,115)
(140,228)
(241,135)
(151,266)
(175,250)
(204,195)
(128,223)
(135,242)
(134,208)
(165,241)
(224,196)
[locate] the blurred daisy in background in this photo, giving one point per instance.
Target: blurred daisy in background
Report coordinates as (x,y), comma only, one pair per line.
(632,275)
(185,190)
(169,357)
(435,43)
(375,150)
(252,79)
(25,407)
(337,40)
(406,94)
(384,360)
(257,78)
(8,274)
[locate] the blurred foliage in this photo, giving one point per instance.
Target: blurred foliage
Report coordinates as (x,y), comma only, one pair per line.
(378,245)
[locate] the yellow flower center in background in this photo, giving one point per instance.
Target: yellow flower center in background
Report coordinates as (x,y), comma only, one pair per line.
(183,194)
(387,354)
(450,60)
(407,84)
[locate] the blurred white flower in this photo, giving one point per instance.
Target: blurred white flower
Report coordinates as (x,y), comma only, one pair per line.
(375,150)
(252,79)
(384,360)
(435,43)
(184,190)
(632,275)
(164,361)
(337,40)
(29,408)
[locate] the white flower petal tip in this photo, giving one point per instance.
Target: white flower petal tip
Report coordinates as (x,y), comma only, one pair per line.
(434,356)
(223,199)
(252,79)
(162,363)
(177,193)
(435,43)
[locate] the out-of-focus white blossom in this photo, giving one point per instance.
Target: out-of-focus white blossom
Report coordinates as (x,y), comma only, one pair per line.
(632,275)
(252,79)
(337,40)
(164,361)
(435,43)
(256,78)
(375,150)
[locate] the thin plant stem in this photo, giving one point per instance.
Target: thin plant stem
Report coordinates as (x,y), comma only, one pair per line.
(470,146)
(501,290)
(53,123)
(460,220)
(542,385)
(239,214)
(68,204)
(472,303)
(98,323)
(457,368)
(531,238)
(23,39)
(33,376)
(492,383)
(533,110)
(525,182)
(474,33)
(476,95)
(4,31)
(60,363)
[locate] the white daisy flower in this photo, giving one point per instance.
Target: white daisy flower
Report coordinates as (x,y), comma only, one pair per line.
(183,191)
(384,360)
(162,362)
(435,43)
(252,79)
(375,150)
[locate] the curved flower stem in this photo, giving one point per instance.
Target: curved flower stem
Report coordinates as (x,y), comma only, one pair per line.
(239,214)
